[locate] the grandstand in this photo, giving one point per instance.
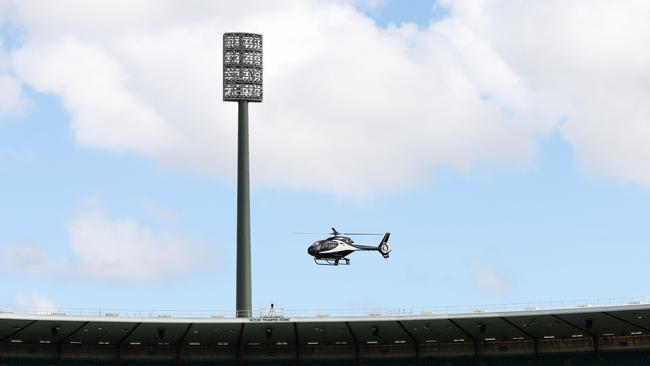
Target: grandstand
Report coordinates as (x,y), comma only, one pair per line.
(579,336)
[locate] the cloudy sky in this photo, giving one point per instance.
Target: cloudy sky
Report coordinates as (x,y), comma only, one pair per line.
(505,144)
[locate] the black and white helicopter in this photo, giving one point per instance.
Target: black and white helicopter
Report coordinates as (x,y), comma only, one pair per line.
(333,250)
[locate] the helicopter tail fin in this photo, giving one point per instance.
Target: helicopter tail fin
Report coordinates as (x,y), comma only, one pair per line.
(384,247)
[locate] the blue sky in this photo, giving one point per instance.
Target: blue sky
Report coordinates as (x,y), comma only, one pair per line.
(552,216)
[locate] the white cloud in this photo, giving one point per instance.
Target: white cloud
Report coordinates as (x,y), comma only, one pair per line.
(490,280)
(585,61)
(115,250)
(12,100)
(93,89)
(159,213)
(36,302)
(349,107)
(373,5)
(32,258)
(123,249)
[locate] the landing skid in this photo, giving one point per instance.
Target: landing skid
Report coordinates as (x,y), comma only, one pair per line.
(332,262)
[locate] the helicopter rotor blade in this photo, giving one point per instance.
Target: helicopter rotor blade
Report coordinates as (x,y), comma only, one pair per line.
(373,234)
(335,233)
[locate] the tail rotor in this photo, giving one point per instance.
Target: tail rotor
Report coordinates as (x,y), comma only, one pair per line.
(384,246)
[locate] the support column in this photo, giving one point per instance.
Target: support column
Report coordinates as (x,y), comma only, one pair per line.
(477,353)
(244,306)
(528,334)
(593,335)
(357,360)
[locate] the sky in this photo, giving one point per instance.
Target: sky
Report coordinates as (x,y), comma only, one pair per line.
(504,144)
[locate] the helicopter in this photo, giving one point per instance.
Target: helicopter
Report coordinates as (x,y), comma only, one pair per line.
(334,250)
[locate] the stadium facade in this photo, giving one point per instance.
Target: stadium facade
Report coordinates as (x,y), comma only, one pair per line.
(612,335)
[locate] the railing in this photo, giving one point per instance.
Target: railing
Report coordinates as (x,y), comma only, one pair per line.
(280,314)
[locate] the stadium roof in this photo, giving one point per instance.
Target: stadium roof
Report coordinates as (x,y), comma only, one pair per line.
(272,329)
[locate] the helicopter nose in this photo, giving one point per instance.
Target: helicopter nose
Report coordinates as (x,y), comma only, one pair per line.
(311,250)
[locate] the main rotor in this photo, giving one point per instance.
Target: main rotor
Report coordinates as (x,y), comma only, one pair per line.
(335,232)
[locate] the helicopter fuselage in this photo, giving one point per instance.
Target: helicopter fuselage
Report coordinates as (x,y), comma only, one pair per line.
(338,247)
(332,248)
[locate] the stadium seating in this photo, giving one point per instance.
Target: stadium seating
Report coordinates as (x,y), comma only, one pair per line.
(578,359)
(206,363)
(24,362)
(328,363)
(85,363)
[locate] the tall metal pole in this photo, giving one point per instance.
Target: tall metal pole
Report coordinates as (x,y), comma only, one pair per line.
(242,83)
(244,306)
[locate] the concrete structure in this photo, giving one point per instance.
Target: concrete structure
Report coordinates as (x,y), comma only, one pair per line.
(407,339)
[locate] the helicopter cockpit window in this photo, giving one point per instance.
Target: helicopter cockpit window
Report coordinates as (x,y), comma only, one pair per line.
(328,245)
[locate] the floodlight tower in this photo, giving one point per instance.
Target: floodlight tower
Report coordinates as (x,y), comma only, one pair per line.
(242,83)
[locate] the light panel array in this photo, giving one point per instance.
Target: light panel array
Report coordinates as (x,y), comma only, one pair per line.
(242,67)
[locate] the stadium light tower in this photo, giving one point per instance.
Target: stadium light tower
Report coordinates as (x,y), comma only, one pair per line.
(242,83)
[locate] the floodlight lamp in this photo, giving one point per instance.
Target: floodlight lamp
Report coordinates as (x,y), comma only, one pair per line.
(242,67)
